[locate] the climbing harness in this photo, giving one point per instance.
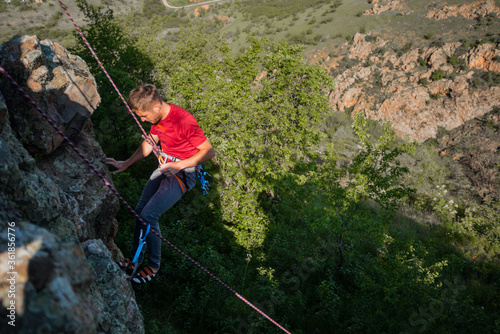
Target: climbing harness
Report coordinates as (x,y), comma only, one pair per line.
(115,192)
(163,157)
(203,176)
(135,260)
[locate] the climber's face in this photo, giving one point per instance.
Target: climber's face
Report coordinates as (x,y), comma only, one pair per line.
(152,116)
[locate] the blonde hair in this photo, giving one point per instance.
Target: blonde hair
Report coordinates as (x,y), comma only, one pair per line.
(143,97)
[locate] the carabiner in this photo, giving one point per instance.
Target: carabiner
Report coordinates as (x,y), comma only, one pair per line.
(162,158)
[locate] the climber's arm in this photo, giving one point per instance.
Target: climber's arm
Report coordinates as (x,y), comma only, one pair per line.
(143,151)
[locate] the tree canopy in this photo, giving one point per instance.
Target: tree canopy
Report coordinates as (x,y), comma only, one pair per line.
(303,216)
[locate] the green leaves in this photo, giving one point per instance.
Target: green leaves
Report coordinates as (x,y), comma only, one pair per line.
(315,212)
(375,170)
(260,110)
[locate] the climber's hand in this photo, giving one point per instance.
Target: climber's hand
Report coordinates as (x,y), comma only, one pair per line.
(170,168)
(120,165)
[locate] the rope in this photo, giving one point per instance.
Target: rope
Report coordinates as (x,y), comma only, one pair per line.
(113,189)
(156,149)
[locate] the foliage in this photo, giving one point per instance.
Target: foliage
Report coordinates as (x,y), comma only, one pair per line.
(280,9)
(261,128)
(303,216)
(437,75)
(478,232)
(373,173)
(453,60)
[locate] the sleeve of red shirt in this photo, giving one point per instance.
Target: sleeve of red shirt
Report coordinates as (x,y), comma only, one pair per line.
(153,130)
(193,132)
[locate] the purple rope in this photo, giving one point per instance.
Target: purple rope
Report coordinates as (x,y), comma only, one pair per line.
(113,189)
(156,149)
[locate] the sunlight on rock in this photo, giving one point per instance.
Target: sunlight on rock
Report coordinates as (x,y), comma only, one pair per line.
(12,286)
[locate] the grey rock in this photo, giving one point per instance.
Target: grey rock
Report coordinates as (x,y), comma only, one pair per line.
(66,278)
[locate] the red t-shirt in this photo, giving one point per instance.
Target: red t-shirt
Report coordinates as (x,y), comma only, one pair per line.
(179,133)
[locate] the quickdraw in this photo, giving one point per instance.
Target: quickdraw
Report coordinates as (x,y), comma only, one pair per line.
(204,177)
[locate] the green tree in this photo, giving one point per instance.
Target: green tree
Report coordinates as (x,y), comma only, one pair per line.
(261,110)
(373,174)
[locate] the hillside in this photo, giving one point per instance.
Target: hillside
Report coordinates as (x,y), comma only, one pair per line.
(46,19)
(356,182)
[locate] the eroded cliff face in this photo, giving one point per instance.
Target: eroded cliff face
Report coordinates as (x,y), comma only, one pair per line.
(62,214)
(417,89)
(436,11)
(475,145)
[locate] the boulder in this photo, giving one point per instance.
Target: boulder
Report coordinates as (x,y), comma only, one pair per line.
(62,214)
(59,82)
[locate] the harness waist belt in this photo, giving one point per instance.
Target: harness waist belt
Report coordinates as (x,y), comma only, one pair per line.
(164,156)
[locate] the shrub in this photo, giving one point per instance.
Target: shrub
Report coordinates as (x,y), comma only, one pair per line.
(437,75)
(453,60)
(424,82)
(404,50)
(370,38)
(326,20)
(421,61)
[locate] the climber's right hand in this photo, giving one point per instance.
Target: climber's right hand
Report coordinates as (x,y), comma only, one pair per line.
(120,165)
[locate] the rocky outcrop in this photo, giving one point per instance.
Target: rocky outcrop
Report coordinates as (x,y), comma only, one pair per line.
(59,82)
(66,280)
(481,163)
(383,6)
(198,10)
(484,57)
(418,90)
(473,10)
(470,11)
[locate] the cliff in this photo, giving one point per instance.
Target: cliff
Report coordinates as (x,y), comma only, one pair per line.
(59,213)
(438,11)
(475,145)
(417,89)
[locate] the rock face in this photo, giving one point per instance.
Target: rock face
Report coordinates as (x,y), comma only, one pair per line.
(471,11)
(384,5)
(59,82)
(66,280)
(481,163)
(418,90)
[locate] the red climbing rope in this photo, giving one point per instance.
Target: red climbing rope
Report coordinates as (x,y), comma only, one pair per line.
(113,189)
(156,149)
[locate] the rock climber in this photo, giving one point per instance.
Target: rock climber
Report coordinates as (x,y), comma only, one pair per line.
(186,148)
